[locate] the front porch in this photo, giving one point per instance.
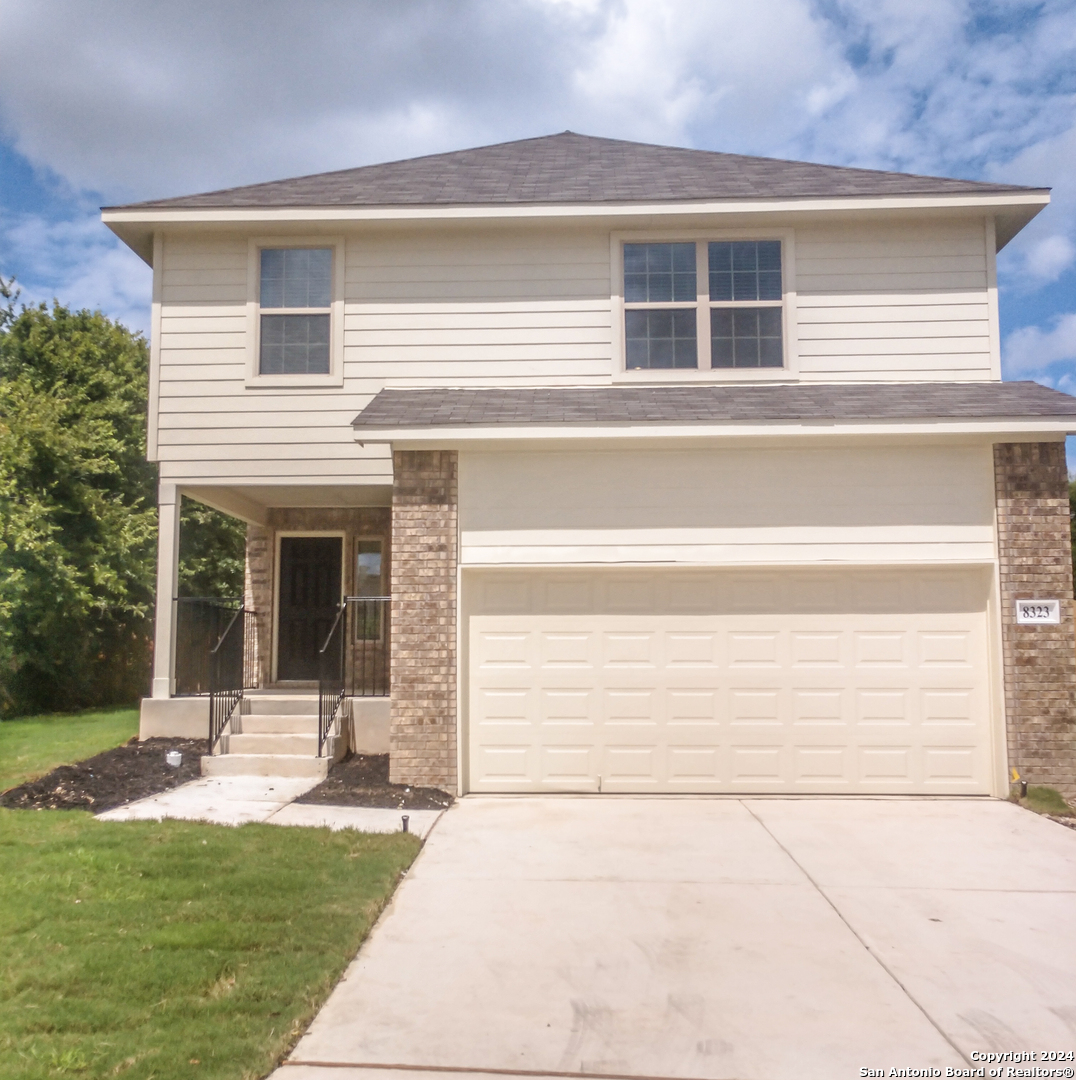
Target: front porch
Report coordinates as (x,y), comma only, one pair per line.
(348,612)
(295,672)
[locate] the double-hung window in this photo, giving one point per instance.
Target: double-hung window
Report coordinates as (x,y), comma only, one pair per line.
(295,300)
(702,305)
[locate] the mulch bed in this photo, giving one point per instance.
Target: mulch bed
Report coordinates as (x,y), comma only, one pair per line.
(138,769)
(363,780)
(117,776)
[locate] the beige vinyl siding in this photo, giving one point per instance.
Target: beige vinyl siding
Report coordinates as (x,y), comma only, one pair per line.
(420,310)
(893,302)
(212,428)
(750,505)
(483,307)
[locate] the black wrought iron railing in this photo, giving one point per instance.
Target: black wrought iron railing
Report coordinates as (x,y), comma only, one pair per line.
(331,677)
(367,664)
(354,659)
(200,622)
(215,655)
(229,672)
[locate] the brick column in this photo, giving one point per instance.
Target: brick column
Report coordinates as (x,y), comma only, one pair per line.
(422,740)
(1031,486)
(258,594)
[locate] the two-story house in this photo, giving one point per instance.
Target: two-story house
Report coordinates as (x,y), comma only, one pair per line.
(680,472)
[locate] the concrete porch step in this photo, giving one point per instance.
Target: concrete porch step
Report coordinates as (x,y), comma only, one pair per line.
(274,743)
(265,765)
(257,724)
(262,704)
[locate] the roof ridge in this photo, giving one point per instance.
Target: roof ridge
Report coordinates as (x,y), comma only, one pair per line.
(572,167)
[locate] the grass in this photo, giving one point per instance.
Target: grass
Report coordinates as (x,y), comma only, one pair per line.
(1046,800)
(176,949)
(31,746)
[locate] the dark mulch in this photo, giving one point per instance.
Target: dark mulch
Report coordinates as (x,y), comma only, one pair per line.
(118,776)
(363,780)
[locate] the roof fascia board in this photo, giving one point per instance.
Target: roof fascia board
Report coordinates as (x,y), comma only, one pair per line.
(336,214)
(1000,428)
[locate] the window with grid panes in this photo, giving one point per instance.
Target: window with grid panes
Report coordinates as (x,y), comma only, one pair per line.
(295,295)
(740,310)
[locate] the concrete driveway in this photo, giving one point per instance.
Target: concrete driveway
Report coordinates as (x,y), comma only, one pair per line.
(680,937)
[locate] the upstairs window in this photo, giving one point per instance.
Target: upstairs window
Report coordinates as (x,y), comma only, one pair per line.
(660,285)
(745,304)
(295,295)
(703,305)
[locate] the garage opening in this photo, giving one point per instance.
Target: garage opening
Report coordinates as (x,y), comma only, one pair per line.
(826,682)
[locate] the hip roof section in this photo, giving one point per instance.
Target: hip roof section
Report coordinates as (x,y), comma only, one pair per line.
(702,405)
(574,169)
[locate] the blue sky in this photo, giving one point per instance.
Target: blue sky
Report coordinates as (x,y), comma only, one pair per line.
(113,102)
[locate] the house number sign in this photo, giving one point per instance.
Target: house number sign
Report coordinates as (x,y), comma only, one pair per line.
(1038,611)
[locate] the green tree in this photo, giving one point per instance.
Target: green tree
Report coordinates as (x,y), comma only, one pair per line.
(212,551)
(77,510)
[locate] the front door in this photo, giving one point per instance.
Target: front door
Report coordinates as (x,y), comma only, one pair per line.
(309,598)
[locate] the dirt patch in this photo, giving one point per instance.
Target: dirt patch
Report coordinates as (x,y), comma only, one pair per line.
(117,776)
(363,780)
(1070,822)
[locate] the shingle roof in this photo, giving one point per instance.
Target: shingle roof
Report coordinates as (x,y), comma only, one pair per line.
(572,168)
(423,409)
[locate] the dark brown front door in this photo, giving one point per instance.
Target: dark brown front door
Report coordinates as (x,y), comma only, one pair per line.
(309,597)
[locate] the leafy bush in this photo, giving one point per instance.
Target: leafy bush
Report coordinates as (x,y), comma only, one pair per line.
(77,511)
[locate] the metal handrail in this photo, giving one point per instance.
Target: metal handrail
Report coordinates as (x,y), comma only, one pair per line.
(330,683)
(224,694)
(353,661)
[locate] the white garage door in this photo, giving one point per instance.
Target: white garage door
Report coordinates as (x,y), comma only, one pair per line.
(838,682)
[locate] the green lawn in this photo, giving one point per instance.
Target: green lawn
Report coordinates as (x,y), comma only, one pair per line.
(31,746)
(1045,800)
(176,949)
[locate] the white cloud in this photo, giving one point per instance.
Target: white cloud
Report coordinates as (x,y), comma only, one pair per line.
(1031,350)
(1047,259)
(80,263)
(168,97)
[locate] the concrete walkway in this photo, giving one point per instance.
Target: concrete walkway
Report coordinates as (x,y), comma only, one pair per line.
(235,800)
(752,939)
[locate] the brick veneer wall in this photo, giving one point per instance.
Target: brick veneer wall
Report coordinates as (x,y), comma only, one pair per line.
(1031,486)
(422,740)
(353,521)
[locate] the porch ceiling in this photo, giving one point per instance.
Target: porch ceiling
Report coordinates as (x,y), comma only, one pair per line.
(252,502)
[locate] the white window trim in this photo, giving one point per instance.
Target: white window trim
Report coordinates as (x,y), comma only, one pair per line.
(335,376)
(704,373)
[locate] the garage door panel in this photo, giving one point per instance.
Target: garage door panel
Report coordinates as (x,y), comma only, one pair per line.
(691,650)
(819,707)
(818,649)
(636,649)
(584,698)
(691,707)
(949,763)
(754,648)
(569,768)
(694,767)
(566,649)
(887,765)
(824,764)
(759,764)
